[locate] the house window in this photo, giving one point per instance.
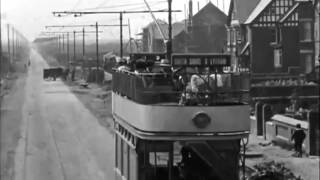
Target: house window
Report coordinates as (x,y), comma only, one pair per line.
(278,58)
(228,37)
(234,37)
(306,31)
(307,61)
(239,37)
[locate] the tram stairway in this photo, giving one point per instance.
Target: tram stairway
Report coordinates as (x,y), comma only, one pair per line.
(221,157)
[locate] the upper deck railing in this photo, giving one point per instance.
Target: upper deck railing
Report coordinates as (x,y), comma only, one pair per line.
(189,80)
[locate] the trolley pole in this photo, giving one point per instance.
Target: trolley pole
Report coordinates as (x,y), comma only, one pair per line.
(169,43)
(121,35)
(97,52)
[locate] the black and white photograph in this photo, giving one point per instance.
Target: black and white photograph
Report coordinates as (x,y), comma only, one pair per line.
(159,89)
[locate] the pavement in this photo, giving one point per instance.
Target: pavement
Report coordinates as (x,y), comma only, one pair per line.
(57,136)
(306,167)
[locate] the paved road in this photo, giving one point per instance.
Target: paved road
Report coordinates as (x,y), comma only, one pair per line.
(60,138)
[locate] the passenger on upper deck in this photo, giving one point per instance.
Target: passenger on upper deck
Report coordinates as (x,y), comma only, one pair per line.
(123,65)
(140,66)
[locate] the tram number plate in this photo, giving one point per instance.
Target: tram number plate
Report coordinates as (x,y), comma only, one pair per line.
(217,61)
(180,61)
(195,61)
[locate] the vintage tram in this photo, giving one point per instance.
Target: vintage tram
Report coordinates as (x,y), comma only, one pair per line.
(185,120)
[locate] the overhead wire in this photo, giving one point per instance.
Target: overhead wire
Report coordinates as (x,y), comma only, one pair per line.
(121,6)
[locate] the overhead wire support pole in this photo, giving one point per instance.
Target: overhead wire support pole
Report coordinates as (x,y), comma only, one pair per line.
(74,46)
(169,43)
(0,37)
(13,44)
(97,52)
(79,13)
(68,53)
(62,42)
(121,36)
(83,30)
(9,51)
(83,43)
(129,36)
(59,44)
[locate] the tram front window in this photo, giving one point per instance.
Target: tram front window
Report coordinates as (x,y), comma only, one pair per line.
(155,159)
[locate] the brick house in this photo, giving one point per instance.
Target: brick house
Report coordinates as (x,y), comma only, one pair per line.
(278,37)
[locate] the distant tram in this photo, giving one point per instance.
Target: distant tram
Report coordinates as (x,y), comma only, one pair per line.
(184,119)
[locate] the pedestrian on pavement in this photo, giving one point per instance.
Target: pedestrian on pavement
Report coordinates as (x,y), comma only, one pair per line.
(298,137)
(73,72)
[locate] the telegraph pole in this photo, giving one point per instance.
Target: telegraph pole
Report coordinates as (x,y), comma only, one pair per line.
(83,31)
(62,42)
(8,30)
(68,41)
(0,38)
(13,50)
(68,53)
(130,36)
(83,43)
(79,13)
(121,35)
(97,51)
(59,45)
(74,46)
(169,43)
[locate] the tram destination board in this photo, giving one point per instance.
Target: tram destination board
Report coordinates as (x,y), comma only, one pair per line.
(200,60)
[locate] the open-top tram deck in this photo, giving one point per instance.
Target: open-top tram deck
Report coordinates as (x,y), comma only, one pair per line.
(184,120)
(166,121)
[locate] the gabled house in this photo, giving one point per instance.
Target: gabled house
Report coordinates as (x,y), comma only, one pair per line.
(206,30)
(153,39)
(279,37)
(237,38)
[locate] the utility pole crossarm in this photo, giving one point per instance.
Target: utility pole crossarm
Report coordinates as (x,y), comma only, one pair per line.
(92,25)
(64,32)
(58,13)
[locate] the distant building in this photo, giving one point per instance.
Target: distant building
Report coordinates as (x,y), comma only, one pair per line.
(153,38)
(205,31)
(278,37)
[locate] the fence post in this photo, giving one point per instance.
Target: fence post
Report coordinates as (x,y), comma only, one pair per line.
(266,116)
(258,114)
(314,133)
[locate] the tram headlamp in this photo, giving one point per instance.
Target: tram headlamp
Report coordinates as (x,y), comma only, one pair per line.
(201,120)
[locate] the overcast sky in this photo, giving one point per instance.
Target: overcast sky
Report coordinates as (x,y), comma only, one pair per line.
(30,16)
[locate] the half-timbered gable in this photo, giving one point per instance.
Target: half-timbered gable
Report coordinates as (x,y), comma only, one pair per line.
(279,37)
